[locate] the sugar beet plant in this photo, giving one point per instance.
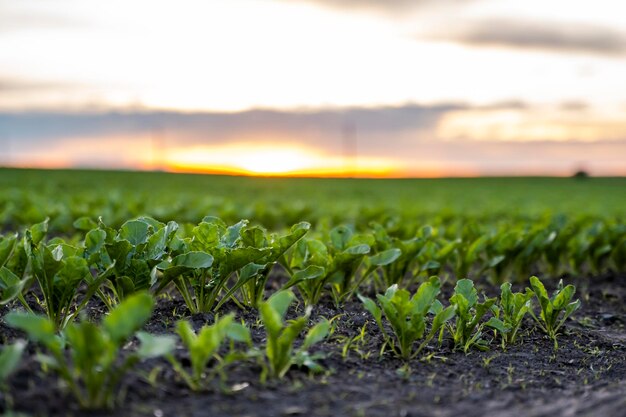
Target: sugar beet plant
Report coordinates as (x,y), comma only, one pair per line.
(466,329)
(280,353)
(94,366)
(317,267)
(509,313)
(204,345)
(554,310)
(128,256)
(59,269)
(407,316)
(236,252)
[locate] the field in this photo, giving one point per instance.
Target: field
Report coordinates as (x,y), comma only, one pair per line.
(314,297)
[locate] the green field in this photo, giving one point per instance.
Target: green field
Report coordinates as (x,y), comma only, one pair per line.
(252,279)
(506,228)
(28,196)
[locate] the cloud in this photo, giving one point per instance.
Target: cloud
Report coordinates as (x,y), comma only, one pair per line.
(575,105)
(539,35)
(327,124)
(14,86)
(386,6)
(413,135)
(17,20)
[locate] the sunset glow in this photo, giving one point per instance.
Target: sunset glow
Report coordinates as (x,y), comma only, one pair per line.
(277,160)
(315,87)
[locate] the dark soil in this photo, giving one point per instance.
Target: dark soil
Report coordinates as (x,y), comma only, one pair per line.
(586,377)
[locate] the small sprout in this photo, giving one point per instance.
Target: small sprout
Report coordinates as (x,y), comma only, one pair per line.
(509,313)
(279,349)
(407,317)
(204,346)
(467,327)
(554,310)
(92,370)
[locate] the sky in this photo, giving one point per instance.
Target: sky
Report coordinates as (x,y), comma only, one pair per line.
(315,87)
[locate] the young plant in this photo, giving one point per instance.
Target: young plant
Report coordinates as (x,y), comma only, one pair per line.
(279,349)
(251,279)
(222,253)
(509,313)
(204,346)
(59,270)
(93,369)
(467,328)
(333,266)
(395,256)
(128,256)
(554,310)
(407,316)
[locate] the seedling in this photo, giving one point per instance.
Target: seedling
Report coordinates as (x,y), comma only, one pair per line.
(93,369)
(467,327)
(204,346)
(407,316)
(554,310)
(219,253)
(317,266)
(128,256)
(509,313)
(280,354)
(59,270)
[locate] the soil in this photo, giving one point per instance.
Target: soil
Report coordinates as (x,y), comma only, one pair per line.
(585,377)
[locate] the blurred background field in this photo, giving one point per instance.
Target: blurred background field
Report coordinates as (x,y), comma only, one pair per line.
(29,196)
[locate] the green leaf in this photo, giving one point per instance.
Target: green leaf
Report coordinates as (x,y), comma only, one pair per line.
(316,334)
(207,235)
(465,287)
(154,346)
(497,324)
(84,223)
(538,287)
(129,316)
(38,328)
(283,243)
(193,259)
(563,297)
(357,250)
(280,301)
(7,247)
(10,286)
(311,272)
(233,234)
(239,333)
(94,242)
(89,346)
(385,257)
(135,231)
(425,296)
(38,231)
(441,318)
(273,312)
(371,306)
(10,358)
(339,237)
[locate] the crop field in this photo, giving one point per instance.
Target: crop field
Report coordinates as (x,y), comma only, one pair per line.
(157,294)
